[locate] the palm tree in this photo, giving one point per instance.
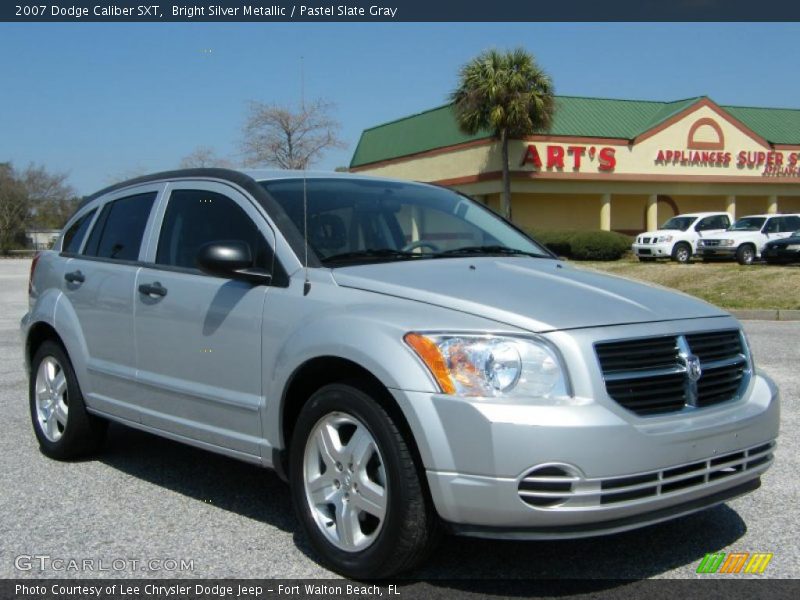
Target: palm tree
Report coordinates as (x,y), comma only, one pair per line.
(508,94)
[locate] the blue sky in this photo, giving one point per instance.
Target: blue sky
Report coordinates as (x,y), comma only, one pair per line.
(101,101)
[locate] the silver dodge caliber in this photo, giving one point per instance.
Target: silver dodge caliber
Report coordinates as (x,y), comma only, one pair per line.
(407,360)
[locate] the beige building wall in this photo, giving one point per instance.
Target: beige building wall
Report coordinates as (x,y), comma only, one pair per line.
(750,205)
(556,211)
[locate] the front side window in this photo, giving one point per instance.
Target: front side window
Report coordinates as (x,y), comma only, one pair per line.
(118,232)
(715,222)
(679,223)
(773,225)
(748,224)
(73,237)
(197,217)
(356,220)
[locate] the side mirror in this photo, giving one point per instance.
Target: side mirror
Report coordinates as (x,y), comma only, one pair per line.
(230,259)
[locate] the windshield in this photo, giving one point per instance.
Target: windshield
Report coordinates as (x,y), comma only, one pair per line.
(357,220)
(679,223)
(748,224)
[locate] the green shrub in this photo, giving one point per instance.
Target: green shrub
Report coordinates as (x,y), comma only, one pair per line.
(584,245)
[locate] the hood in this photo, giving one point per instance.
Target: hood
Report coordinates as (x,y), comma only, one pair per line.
(784,241)
(660,232)
(731,235)
(529,293)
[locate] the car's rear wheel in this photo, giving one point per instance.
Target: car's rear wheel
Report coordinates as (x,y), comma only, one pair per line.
(61,423)
(745,254)
(682,253)
(355,487)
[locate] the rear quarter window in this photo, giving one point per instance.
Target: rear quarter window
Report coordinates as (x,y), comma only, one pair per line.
(73,237)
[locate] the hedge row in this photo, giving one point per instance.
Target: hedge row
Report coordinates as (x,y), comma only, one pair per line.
(584,245)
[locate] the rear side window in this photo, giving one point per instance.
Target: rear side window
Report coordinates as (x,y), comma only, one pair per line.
(120,227)
(75,234)
(790,224)
(197,217)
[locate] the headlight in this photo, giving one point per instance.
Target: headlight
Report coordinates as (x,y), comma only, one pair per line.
(794,247)
(726,242)
(491,366)
(664,238)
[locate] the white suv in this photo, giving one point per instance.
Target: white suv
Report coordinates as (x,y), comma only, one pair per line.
(677,238)
(747,237)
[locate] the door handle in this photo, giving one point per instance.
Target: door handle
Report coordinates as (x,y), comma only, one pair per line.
(153,289)
(75,277)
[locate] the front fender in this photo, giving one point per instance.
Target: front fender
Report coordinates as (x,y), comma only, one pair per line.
(367,329)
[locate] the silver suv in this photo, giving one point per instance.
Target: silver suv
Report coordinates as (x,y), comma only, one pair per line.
(418,366)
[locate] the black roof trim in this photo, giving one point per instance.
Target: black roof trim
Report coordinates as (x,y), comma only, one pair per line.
(282,221)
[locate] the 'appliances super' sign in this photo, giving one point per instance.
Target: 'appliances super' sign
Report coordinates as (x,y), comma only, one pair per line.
(572,157)
(771,164)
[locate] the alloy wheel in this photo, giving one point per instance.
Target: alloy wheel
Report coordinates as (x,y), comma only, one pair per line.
(345,481)
(52,404)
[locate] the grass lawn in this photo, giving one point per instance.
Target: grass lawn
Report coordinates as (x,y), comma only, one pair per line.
(726,284)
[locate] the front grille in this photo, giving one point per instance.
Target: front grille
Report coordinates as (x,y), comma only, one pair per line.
(711,242)
(663,374)
(561,488)
(646,240)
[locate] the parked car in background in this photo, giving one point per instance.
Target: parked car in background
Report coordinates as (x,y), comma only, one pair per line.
(747,237)
(783,251)
(677,238)
(406,359)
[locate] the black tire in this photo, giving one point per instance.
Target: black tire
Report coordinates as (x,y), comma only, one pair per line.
(410,527)
(646,259)
(745,254)
(82,434)
(682,253)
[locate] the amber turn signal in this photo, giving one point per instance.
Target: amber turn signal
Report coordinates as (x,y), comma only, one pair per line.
(433,359)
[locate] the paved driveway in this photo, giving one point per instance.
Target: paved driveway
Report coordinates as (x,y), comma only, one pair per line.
(146,498)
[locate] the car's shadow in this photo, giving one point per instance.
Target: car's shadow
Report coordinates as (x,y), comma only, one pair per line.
(259,494)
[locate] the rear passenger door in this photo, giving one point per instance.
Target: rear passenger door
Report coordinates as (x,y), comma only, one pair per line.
(98,284)
(199,336)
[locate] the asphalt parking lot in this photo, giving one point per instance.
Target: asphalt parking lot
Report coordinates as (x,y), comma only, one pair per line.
(145,498)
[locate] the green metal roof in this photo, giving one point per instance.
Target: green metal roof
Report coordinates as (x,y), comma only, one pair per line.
(574,116)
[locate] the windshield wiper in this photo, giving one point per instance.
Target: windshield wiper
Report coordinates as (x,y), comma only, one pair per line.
(374,253)
(490,250)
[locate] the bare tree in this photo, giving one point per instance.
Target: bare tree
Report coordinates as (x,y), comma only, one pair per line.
(202,157)
(278,136)
(14,207)
(51,199)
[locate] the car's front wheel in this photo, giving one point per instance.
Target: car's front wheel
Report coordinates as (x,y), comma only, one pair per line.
(355,487)
(682,253)
(745,254)
(61,423)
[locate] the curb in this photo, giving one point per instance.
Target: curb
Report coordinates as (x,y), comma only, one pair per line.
(772,314)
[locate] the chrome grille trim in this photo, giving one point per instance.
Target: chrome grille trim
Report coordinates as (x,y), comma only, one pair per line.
(626,490)
(663,374)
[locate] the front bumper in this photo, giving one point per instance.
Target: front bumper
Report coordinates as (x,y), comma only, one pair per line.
(717,252)
(667,467)
(781,254)
(663,250)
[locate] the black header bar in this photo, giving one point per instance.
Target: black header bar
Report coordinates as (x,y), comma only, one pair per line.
(399,11)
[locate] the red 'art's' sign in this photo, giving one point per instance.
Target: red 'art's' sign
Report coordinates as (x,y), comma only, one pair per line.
(569,157)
